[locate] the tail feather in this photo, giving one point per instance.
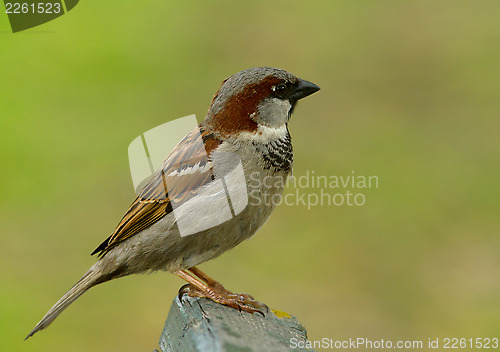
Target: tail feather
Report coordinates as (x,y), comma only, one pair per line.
(88,280)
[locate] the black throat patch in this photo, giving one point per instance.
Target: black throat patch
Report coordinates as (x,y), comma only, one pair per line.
(278,154)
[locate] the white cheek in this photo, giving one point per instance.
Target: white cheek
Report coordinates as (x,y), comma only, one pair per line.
(264,134)
(273,112)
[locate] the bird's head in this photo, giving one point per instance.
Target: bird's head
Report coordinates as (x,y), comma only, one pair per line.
(256,97)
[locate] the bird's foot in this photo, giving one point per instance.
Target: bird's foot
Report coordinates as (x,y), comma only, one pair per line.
(217,293)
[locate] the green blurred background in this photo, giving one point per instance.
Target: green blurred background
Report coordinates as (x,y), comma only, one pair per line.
(410,93)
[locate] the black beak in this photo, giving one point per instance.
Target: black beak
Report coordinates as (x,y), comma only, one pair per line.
(304,89)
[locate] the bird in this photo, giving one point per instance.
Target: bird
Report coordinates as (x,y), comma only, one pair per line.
(206,197)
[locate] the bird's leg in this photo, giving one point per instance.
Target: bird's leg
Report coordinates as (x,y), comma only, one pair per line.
(204,277)
(214,291)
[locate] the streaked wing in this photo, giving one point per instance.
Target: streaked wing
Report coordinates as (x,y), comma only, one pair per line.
(183,173)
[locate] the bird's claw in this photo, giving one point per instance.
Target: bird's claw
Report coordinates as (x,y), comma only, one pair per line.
(185,289)
(217,293)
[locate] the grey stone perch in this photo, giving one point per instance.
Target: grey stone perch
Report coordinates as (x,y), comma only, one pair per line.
(200,325)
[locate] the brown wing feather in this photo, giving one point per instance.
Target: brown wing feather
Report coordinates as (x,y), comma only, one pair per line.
(155,201)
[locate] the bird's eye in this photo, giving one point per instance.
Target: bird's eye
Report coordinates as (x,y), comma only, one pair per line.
(280,89)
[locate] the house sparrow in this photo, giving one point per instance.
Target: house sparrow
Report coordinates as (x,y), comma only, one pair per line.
(196,206)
